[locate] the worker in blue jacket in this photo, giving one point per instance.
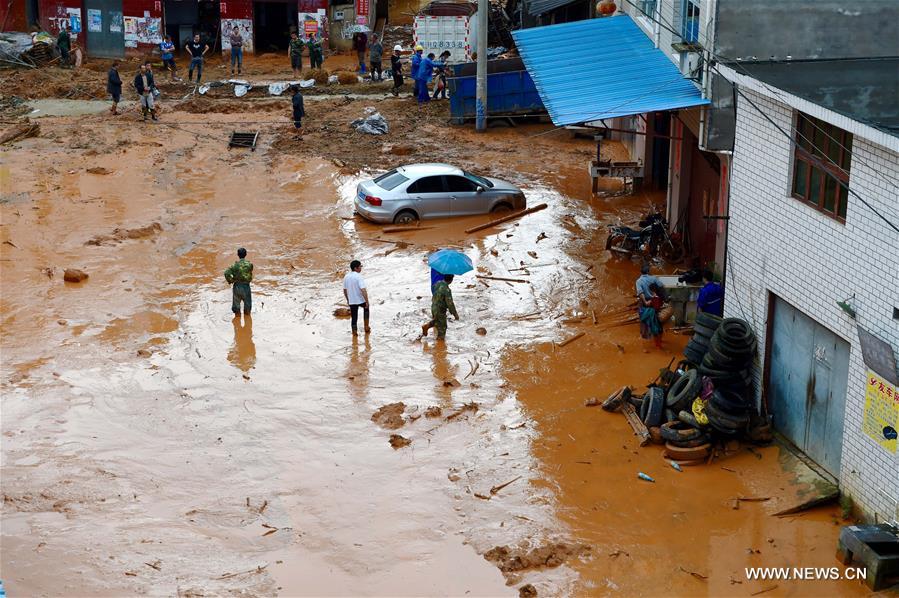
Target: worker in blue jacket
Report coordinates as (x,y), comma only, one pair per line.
(425,74)
(413,71)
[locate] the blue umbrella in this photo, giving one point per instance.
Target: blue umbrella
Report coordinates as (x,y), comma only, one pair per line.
(450,261)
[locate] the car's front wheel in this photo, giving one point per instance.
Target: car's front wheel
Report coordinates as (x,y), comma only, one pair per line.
(406,217)
(501,209)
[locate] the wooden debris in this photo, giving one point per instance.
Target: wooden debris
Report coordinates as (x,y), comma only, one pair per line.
(698,576)
(466,407)
(502,279)
(403,229)
(19,132)
(593,313)
(762,591)
(499,487)
(630,414)
(572,339)
(753,498)
(258,569)
(508,218)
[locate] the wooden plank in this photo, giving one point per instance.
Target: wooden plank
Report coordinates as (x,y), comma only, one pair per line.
(403,229)
(537,208)
(503,279)
(630,414)
(572,339)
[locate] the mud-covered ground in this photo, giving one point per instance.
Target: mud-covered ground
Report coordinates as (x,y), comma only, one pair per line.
(153,445)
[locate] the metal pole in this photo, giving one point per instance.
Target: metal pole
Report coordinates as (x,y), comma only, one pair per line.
(481,105)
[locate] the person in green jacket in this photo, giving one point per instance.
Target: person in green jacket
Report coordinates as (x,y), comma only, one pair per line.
(441,302)
(316,53)
(239,275)
(295,52)
(64,44)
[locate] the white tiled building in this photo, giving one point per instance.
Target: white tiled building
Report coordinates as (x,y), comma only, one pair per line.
(790,262)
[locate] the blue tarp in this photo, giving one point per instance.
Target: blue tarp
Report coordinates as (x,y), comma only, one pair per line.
(602,68)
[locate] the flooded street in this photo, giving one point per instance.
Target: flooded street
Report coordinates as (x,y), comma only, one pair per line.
(151,444)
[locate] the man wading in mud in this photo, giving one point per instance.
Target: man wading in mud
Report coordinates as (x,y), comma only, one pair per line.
(356,295)
(239,276)
(440,303)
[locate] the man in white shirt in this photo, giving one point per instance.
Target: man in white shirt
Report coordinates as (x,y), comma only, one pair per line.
(356,294)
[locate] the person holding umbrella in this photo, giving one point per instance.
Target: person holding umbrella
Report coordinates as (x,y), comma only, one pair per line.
(447,263)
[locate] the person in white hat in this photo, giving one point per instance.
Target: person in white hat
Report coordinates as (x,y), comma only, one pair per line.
(396,67)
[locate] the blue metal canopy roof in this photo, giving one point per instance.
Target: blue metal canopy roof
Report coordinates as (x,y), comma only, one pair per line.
(601,68)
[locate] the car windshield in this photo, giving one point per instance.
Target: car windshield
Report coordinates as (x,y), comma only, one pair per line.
(479,180)
(390,180)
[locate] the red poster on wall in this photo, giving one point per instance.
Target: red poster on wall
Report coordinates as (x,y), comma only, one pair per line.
(362,8)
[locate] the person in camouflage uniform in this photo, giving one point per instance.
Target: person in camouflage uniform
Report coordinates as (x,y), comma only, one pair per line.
(239,275)
(316,53)
(441,302)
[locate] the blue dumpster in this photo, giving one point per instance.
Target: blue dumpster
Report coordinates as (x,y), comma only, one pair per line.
(510,90)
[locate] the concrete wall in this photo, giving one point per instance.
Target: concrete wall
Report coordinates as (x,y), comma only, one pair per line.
(807,29)
(779,245)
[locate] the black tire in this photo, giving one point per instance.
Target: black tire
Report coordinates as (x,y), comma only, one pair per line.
(678,431)
(699,343)
(637,402)
(721,377)
(708,320)
(731,401)
(735,332)
(501,208)
(716,360)
(694,356)
(703,331)
(653,406)
(670,416)
(688,418)
(730,350)
(405,217)
(721,419)
(683,390)
(699,441)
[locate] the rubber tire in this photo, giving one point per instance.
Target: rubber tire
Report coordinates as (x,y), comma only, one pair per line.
(730,350)
(722,419)
(699,329)
(684,388)
(678,431)
(678,453)
(709,320)
(704,438)
(401,218)
(653,407)
(699,344)
(501,208)
(736,332)
(721,378)
(728,361)
(688,418)
(725,401)
(693,356)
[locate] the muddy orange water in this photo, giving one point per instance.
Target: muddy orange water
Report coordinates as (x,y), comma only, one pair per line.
(153,445)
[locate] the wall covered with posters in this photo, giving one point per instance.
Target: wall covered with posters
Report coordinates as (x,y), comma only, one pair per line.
(142,24)
(245,27)
(54,13)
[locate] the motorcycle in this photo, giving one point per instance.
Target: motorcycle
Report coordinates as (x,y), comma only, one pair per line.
(650,240)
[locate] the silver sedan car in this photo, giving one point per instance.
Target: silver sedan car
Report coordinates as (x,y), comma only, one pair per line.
(409,193)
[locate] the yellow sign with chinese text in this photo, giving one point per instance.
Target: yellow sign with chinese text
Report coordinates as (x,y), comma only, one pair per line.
(881,420)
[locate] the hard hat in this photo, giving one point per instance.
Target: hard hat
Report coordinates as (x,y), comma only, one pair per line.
(397,48)
(417,48)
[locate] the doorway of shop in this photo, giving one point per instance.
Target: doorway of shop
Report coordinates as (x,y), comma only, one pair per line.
(274,21)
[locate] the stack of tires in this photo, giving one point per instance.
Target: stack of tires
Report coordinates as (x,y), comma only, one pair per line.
(703,330)
(685,441)
(728,364)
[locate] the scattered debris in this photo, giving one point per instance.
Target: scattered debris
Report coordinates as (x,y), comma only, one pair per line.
(99,170)
(124,234)
(527,591)
(258,569)
(481,330)
(342,312)
(592,402)
(572,339)
(19,132)
(373,124)
(492,223)
(644,477)
(502,279)
(74,275)
(541,236)
(499,487)
(510,560)
(451,383)
(390,416)
(398,442)
(698,576)
(764,590)
(466,407)
(433,411)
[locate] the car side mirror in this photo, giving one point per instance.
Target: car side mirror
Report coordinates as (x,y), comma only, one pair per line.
(479,189)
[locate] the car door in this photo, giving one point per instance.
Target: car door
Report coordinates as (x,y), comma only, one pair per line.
(464,196)
(429,197)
